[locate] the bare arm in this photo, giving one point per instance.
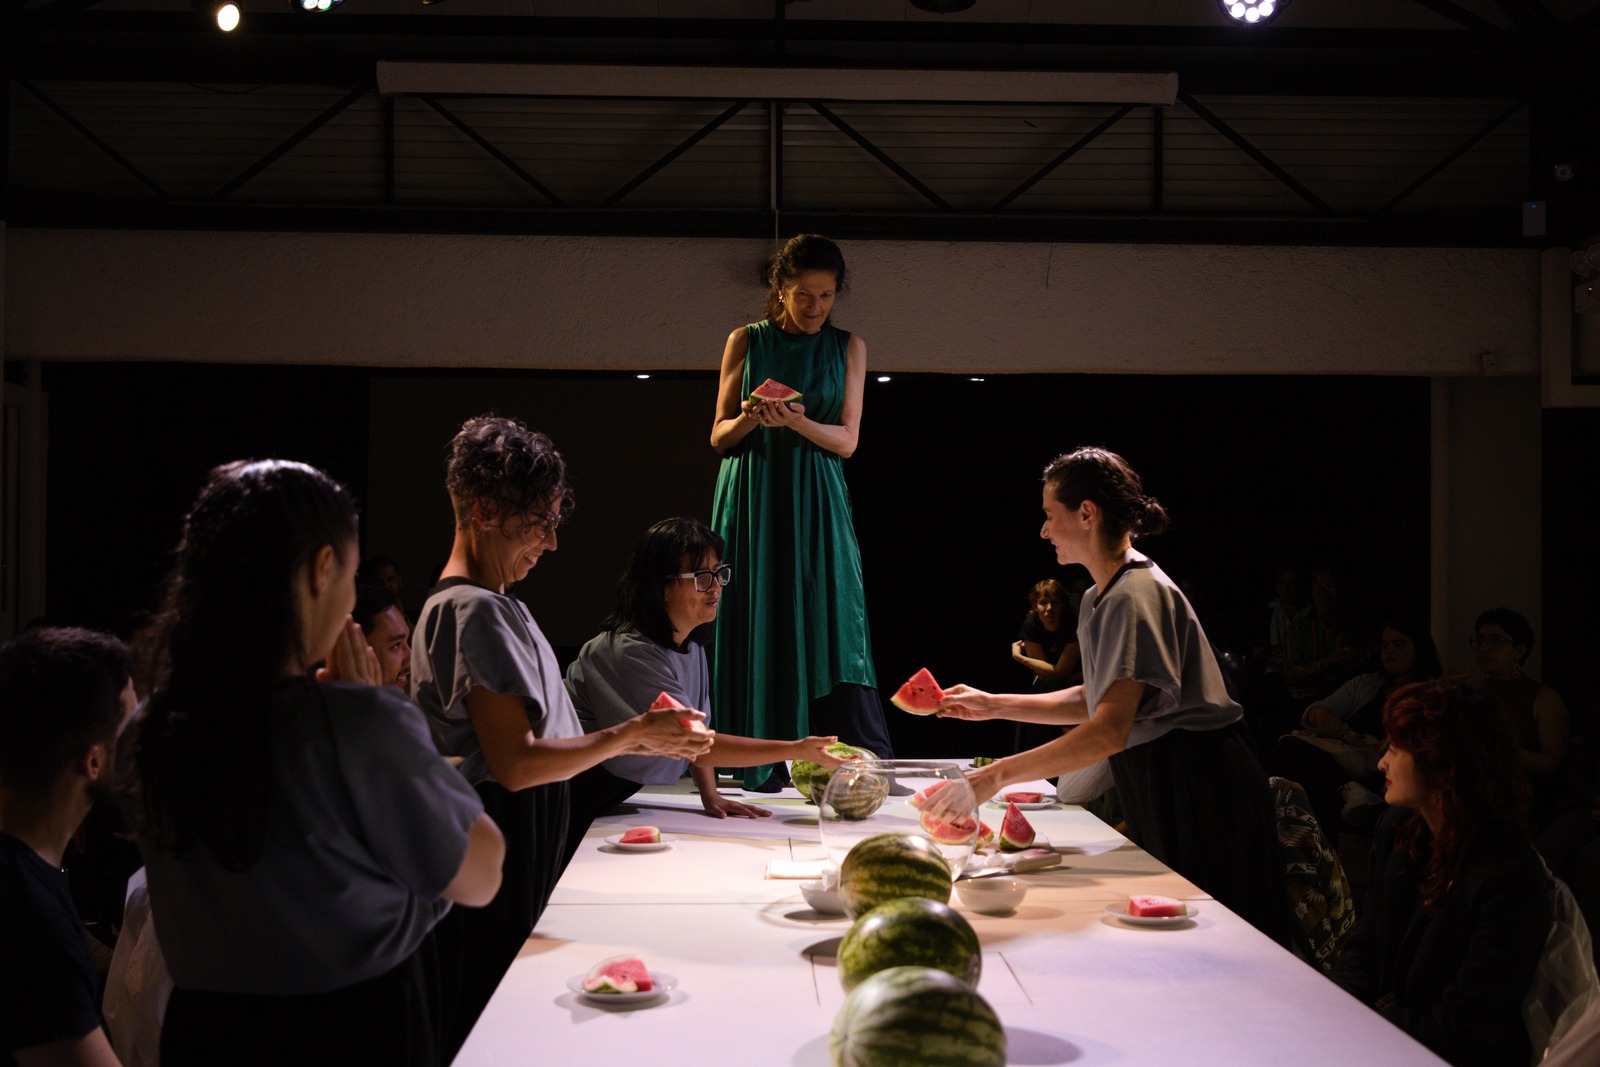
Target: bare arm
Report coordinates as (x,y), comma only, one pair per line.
(1104,735)
(841,439)
(1062,707)
(518,759)
(1031,655)
(90,1050)
(732,423)
(478,879)
(732,750)
(1551,718)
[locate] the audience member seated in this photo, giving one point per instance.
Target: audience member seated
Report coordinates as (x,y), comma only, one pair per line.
(1535,713)
(646,648)
(1334,754)
(64,697)
(384,625)
(1326,649)
(1047,645)
(1460,905)
(381,571)
(301,834)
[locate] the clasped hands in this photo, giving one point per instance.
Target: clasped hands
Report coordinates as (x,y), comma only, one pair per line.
(775,414)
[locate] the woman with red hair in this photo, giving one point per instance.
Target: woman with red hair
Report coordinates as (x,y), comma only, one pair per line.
(1460,904)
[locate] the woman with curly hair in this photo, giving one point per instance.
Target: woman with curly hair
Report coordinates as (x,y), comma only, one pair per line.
(1460,903)
(488,680)
(302,835)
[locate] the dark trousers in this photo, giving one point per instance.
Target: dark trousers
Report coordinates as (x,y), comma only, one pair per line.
(390,1019)
(476,945)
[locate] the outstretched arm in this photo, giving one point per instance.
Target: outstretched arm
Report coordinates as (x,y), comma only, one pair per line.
(1104,735)
(1061,707)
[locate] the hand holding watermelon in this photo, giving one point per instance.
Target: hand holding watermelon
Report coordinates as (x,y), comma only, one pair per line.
(815,750)
(774,404)
(965,702)
(676,732)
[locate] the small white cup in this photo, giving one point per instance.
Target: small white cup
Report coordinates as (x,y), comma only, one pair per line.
(992,896)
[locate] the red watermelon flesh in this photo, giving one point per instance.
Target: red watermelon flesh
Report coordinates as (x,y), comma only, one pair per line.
(619,974)
(1016,832)
(668,702)
(1155,907)
(920,695)
(920,799)
(641,835)
(775,392)
(1022,798)
(985,833)
(949,831)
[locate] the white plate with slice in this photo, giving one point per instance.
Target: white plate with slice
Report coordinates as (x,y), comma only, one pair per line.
(664,984)
(1032,805)
(1121,912)
(616,842)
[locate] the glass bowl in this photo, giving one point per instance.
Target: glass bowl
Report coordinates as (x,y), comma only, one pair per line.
(928,798)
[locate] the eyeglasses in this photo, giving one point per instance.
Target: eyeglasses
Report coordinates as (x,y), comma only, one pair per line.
(703,579)
(1489,641)
(539,523)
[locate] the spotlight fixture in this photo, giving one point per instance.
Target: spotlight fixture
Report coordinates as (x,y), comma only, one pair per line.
(312,7)
(1253,12)
(225,13)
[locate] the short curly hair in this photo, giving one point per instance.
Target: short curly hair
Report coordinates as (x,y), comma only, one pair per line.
(515,472)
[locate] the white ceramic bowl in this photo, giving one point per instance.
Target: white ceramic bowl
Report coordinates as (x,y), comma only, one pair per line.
(992,896)
(823,901)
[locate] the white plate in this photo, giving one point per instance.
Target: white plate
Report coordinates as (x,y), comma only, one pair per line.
(664,984)
(1121,912)
(615,841)
(1037,805)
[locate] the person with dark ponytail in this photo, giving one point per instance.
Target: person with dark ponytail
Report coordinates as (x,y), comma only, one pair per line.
(792,654)
(1152,701)
(301,833)
(1460,905)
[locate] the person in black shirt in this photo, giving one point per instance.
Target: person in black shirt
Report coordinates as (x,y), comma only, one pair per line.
(64,697)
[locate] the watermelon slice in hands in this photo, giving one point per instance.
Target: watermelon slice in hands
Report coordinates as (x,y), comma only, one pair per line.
(641,835)
(619,974)
(774,392)
(1152,907)
(920,695)
(667,702)
(1016,832)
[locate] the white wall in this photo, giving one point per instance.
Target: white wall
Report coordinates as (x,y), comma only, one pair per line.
(668,303)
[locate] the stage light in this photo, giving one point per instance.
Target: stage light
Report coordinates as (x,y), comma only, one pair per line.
(225,13)
(642,377)
(1253,12)
(313,7)
(883,377)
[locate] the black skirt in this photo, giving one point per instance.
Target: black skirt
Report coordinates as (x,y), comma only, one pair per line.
(1198,801)
(390,1019)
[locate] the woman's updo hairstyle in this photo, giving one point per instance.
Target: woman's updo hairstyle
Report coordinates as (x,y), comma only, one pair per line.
(803,254)
(512,470)
(1105,478)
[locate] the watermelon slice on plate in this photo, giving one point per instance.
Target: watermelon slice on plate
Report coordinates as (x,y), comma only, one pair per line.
(1016,832)
(1023,798)
(668,702)
(774,392)
(920,695)
(641,835)
(619,974)
(1153,907)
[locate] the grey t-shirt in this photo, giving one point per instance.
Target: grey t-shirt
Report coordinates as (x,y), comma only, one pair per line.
(366,827)
(470,636)
(1142,628)
(618,675)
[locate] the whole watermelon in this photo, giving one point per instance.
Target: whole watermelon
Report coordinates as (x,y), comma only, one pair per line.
(812,778)
(886,867)
(910,931)
(916,1017)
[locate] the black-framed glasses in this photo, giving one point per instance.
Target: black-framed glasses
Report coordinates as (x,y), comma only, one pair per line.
(542,524)
(702,579)
(1489,641)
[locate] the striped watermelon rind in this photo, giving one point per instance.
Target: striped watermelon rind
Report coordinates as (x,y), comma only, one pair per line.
(812,778)
(910,931)
(916,1017)
(885,867)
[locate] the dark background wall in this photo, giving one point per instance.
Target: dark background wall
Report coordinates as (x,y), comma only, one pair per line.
(945,487)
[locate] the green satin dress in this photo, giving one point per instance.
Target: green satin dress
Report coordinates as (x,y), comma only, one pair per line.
(793,623)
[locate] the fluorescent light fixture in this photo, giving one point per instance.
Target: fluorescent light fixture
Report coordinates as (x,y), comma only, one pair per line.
(778,83)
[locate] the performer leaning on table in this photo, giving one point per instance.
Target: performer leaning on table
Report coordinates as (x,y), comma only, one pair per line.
(646,648)
(488,680)
(1152,701)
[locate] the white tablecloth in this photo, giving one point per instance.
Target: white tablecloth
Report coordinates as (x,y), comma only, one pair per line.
(1071,983)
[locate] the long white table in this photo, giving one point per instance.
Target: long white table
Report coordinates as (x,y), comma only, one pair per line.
(1071,983)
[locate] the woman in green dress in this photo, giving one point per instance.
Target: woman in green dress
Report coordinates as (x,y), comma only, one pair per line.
(792,655)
